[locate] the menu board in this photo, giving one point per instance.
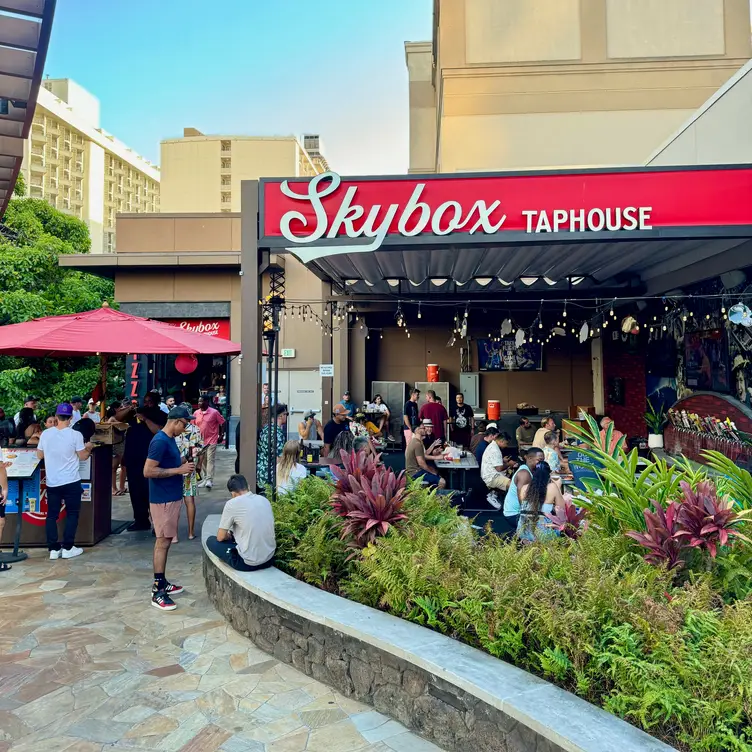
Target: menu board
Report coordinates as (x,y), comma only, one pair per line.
(21,463)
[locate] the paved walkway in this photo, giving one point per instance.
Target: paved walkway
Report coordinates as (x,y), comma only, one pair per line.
(86,664)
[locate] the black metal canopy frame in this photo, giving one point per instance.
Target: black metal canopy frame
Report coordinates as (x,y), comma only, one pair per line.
(25,27)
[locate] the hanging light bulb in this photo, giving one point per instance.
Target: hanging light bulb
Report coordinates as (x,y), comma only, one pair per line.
(684,317)
(420,315)
(605,323)
(723,309)
(665,327)
(564,313)
(381,335)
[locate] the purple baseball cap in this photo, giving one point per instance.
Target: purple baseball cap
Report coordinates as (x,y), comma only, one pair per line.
(64,408)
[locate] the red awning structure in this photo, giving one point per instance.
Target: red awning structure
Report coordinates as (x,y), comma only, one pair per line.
(105,331)
(596,230)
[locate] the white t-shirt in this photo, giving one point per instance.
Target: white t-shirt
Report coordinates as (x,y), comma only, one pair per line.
(60,459)
(492,458)
(163,407)
(297,474)
(93,416)
(76,417)
(250,519)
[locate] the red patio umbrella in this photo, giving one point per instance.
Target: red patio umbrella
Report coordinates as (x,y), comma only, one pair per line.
(106,331)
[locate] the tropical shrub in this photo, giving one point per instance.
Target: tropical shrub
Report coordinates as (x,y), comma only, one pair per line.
(570,521)
(368,497)
(667,647)
(734,481)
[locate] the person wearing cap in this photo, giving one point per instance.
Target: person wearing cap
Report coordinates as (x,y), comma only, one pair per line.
(418,459)
(349,405)
(31,402)
(493,466)
(62,449)
(165,469)
(486,438)
(76,403)
(525,433)
(335,426)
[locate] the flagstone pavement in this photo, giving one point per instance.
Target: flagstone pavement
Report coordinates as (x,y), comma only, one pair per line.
(86,664)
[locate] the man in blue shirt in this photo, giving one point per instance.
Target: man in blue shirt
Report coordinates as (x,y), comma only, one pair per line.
(165,470)
(348,403)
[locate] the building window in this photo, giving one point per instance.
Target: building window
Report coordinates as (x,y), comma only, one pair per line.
(226,198)
(226,163)
(226,146)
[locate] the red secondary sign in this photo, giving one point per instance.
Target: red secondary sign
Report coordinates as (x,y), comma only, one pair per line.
(307,216)
(212,327)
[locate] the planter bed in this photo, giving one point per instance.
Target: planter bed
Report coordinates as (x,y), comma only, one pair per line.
(449,692)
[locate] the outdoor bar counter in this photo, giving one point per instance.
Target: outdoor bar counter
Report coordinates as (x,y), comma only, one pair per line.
(27,474)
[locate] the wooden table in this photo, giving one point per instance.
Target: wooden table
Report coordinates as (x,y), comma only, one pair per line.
(465,463)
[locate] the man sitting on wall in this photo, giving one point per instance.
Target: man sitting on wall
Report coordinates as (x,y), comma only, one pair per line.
(245,539)
(418,459)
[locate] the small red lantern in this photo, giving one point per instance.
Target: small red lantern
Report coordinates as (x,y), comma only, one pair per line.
(186,363)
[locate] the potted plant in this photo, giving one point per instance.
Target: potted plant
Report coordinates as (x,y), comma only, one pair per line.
(655,419)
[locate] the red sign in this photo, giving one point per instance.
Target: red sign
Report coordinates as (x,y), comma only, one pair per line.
(212,327)
(308,215)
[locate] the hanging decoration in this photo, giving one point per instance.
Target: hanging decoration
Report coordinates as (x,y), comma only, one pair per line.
(584,332)
(740,314)
(186,363)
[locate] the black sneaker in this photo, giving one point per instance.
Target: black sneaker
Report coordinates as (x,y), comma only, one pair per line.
(168,588)
(162,601)
(137,527)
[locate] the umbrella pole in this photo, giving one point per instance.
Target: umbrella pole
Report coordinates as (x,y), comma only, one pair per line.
(103,375)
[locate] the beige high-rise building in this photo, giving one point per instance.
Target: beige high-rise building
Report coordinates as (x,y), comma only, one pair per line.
(518,84)
(81,169)
(203,173)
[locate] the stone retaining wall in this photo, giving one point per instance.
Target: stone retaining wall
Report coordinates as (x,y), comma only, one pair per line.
(474,703)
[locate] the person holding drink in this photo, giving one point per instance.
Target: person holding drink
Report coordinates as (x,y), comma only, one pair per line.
(189,445)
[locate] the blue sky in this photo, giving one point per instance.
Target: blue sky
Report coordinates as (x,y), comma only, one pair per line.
(253,67)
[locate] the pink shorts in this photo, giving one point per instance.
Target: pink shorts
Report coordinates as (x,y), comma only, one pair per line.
(165,518)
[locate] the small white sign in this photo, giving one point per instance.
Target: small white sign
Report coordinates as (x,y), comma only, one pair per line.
(288,352)
(326,370)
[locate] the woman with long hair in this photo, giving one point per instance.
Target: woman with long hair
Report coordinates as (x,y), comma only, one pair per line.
(28,426)
(289,471)
(542,494)
(385,415)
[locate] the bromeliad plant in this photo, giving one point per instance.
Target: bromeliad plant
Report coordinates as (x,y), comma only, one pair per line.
(368,497)
(699,521)
(705,521)
(660,538)
(570,521)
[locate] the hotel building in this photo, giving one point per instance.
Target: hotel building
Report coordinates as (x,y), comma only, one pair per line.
(79,168)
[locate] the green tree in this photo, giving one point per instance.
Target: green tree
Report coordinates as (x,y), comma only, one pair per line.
(33,285)
(20,187)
